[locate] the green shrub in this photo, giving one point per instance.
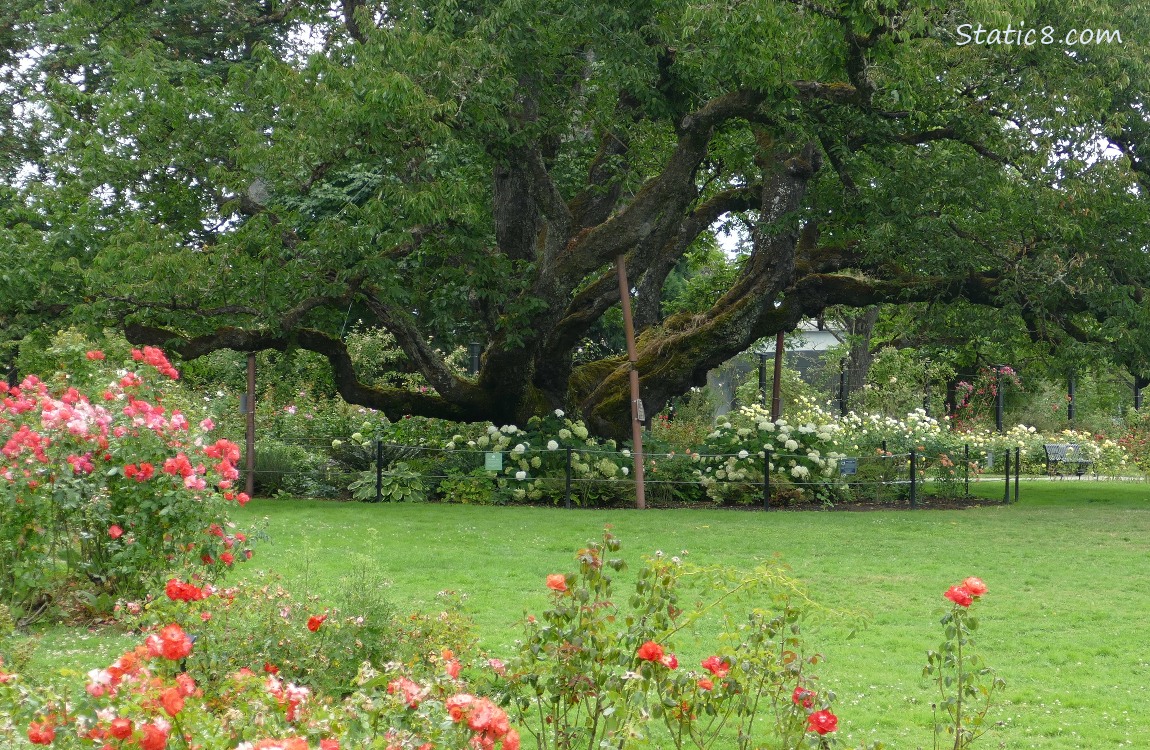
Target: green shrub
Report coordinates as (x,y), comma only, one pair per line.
(276,464)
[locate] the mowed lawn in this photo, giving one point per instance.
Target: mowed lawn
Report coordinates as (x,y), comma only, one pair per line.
(1066,621)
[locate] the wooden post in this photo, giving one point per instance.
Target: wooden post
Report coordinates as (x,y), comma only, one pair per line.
(250,463)
(636,404)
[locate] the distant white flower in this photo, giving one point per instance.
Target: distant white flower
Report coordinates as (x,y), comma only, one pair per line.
(552,445)
(564,434)
(800,472)
(791,445)
(626,471)
(520,475)
(559,413)
(743,454)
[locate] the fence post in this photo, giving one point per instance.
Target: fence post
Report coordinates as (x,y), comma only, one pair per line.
(1006,492)
(766,480)
(913,478)
(567,491)
(1017,470)
(966,463)
(378,470)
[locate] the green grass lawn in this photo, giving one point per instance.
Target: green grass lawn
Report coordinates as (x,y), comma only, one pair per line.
(1064,622)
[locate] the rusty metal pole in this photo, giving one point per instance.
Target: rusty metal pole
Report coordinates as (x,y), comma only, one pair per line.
(636,403)
(250,462)
(776,393)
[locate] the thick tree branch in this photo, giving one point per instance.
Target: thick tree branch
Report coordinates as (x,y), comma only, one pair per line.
(394,403)
(414,344)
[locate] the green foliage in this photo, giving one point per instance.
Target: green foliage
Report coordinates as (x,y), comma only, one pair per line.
(278,465)
(398,483)
(897,383)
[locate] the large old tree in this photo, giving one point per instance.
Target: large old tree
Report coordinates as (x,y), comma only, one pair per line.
(248,175)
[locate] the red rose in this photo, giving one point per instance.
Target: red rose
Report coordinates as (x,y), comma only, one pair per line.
(171,643)
(803,697)
(650,651)
(152,737)
(115,531)
(172,701)
(959,595)
(823,722)
(121,728)
(41,733)
(557,582)
(705,684)
(315,621)
(716,666)
(975,586)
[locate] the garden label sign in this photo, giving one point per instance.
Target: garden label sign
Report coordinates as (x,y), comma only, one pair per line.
(493,461)
(848,466)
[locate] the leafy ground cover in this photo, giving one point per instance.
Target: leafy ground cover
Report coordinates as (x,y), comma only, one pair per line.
(1060,622)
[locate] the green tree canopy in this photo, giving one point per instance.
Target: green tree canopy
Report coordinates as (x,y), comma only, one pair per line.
(248,175)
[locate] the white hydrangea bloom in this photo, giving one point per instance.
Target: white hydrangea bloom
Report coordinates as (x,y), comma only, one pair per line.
(743,454)
(520,475)
(552,445)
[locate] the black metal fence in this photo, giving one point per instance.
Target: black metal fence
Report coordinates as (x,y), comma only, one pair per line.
(380,471)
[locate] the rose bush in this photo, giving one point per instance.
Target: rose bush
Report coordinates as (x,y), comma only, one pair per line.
(600,669)
(105,487)
(966,689)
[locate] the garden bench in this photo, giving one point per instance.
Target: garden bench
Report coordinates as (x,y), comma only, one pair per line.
(1065,454)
